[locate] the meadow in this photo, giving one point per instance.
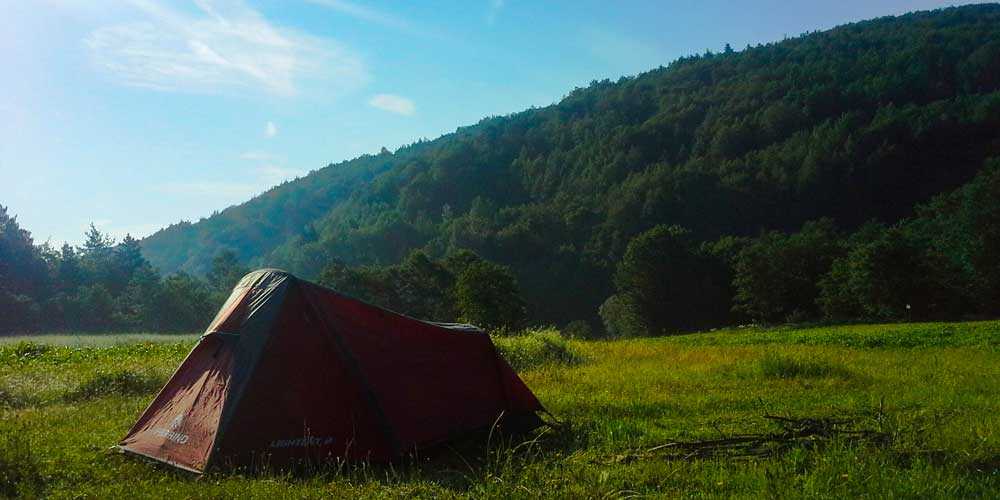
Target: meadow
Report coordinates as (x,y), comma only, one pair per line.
(930,389)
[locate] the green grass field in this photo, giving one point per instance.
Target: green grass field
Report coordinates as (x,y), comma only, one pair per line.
(932,388)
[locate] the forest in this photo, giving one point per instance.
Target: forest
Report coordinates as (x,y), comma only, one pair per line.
(850,174)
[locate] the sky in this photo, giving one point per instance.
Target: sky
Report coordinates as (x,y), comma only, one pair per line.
(135,114)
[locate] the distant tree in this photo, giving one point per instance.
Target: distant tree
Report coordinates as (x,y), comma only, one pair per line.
(667,281)
(891,277)
(424,287)
(97,257)
(138,307)
(24,276)
(185,304)
(578,329)
(620,318)
(487,295)
(96,243)
(125,260)
(91,308)
(776,275)
(361,283)
(69,272)
(226,272)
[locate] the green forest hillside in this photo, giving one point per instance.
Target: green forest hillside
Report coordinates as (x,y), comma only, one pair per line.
(862,122)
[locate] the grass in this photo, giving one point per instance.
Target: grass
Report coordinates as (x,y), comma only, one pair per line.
(932,387)
(535,348)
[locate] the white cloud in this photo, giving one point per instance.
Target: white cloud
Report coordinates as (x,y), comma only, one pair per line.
(393,104)
(224,46)
(270,130)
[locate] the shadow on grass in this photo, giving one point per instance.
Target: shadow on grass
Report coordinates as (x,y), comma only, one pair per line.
(783,367)
(114,383)
(459,466)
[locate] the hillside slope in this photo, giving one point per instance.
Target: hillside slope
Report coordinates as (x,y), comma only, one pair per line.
(860,122)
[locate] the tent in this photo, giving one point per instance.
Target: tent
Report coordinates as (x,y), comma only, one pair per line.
(290,370)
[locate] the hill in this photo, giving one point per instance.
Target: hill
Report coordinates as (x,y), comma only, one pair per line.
(929,389)
(860,122)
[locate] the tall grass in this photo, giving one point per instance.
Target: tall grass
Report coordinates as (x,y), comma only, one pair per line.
(777,366)
(534,348)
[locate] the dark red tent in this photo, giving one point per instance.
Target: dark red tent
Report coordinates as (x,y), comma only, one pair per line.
(291,370)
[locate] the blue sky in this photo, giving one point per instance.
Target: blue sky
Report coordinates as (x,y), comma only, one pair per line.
(134,114)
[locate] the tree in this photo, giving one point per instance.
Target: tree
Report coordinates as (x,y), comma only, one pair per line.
(69,272)
(226,272)
(423,287)
(620,318)
(24,276)
(96,255)
(137,308)
(487,295)
(96,243)
(185,304)
(126,260)
(891,277)
(776,275)
(667,282)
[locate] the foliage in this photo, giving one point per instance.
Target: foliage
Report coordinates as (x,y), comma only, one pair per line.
(486,294)
(775,275)
(226,272)
(860,122)
(669,283)
(100,285)
(462,287)
(621,318)
(890,276)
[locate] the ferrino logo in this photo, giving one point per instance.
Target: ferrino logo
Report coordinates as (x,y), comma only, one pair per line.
(302,442)
(171,431)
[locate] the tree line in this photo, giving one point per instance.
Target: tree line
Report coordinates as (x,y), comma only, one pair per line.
(940,264)
(859,123)
(108,286)
(101,286)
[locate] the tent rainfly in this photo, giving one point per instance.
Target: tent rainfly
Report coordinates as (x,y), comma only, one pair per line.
(289,370)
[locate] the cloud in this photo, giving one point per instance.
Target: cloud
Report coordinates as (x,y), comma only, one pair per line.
(393,104)
(221,47)
(270,130)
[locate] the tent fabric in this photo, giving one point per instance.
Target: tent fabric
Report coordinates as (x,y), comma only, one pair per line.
(289,370)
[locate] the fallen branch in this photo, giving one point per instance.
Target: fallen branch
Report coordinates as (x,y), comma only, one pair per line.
(794,432)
